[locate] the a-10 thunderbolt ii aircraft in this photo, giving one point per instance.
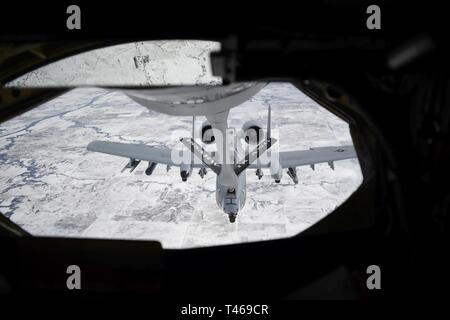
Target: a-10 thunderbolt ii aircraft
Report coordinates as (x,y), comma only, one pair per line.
(230,159)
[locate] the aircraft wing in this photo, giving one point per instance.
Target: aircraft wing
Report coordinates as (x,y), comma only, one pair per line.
(291,159)
(136,151)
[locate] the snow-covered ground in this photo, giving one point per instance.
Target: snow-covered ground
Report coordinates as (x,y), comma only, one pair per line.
(163,62)
(51,185)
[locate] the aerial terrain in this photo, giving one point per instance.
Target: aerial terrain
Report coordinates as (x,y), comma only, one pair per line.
(52,186)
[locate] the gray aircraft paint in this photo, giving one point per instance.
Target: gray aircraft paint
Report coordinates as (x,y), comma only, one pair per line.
(231,182)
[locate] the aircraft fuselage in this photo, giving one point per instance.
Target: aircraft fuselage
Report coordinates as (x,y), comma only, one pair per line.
(231,193)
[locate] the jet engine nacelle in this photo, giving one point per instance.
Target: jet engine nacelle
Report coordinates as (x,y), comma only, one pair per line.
(252,132)
(206,133)
(185,171)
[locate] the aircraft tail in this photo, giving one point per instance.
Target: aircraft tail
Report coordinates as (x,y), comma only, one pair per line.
(250,157)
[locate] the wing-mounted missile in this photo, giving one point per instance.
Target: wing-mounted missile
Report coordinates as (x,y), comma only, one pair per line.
(202,172)
(331,164)
(259,173)
(151,167)
(185,171)
(292,173)
(132,164)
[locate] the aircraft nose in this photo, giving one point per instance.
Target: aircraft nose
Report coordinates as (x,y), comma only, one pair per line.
(230,208)
(232,217)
